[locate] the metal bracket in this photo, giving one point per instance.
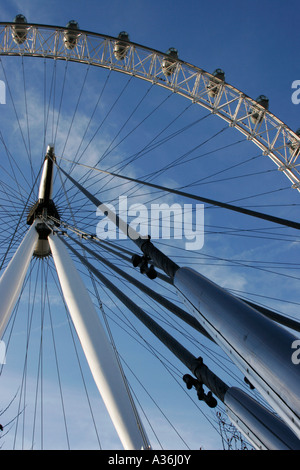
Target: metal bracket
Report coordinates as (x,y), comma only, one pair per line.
(143,263)
(206,397)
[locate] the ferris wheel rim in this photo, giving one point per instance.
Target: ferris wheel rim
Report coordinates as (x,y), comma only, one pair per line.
(276,140)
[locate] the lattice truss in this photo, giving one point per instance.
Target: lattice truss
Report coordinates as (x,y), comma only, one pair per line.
(268,132)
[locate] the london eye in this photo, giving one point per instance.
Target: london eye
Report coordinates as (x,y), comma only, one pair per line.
(123,170)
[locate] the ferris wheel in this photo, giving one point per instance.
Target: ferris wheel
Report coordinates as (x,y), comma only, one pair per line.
(100,137)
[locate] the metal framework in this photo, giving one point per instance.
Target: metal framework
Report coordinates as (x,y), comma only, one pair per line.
(259,347)
(268,132)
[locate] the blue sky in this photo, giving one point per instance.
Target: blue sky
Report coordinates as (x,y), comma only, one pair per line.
(256,43)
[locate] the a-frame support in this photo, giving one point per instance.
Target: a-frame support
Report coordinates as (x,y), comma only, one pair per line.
(98,351)
(12,279)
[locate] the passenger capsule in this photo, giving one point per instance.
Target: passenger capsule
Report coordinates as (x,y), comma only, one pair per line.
(256,113)
(19,29)
(169,62)
(214,85)
(121,46)
(71,35)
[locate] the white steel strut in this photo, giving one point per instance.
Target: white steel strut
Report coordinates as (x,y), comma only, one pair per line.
(259,347)
(98,351)
(262,428)
(12,279)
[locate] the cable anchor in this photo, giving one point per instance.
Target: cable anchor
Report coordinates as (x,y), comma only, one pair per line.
(142,262)
(206,397)
(247,381)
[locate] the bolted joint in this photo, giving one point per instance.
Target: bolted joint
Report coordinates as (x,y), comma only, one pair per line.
(142,263)
(159,259)
(42,248)
(43,230)
(247,381)
(206,397)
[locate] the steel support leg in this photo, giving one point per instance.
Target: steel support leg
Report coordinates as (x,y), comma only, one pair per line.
(13,277)
(260,348)
(98,351)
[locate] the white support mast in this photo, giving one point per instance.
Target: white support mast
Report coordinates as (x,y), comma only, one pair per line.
(40,242)
(98,351)
(258,346)
(11,281)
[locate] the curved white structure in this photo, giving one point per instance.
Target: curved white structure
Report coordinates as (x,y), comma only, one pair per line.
(268,132)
